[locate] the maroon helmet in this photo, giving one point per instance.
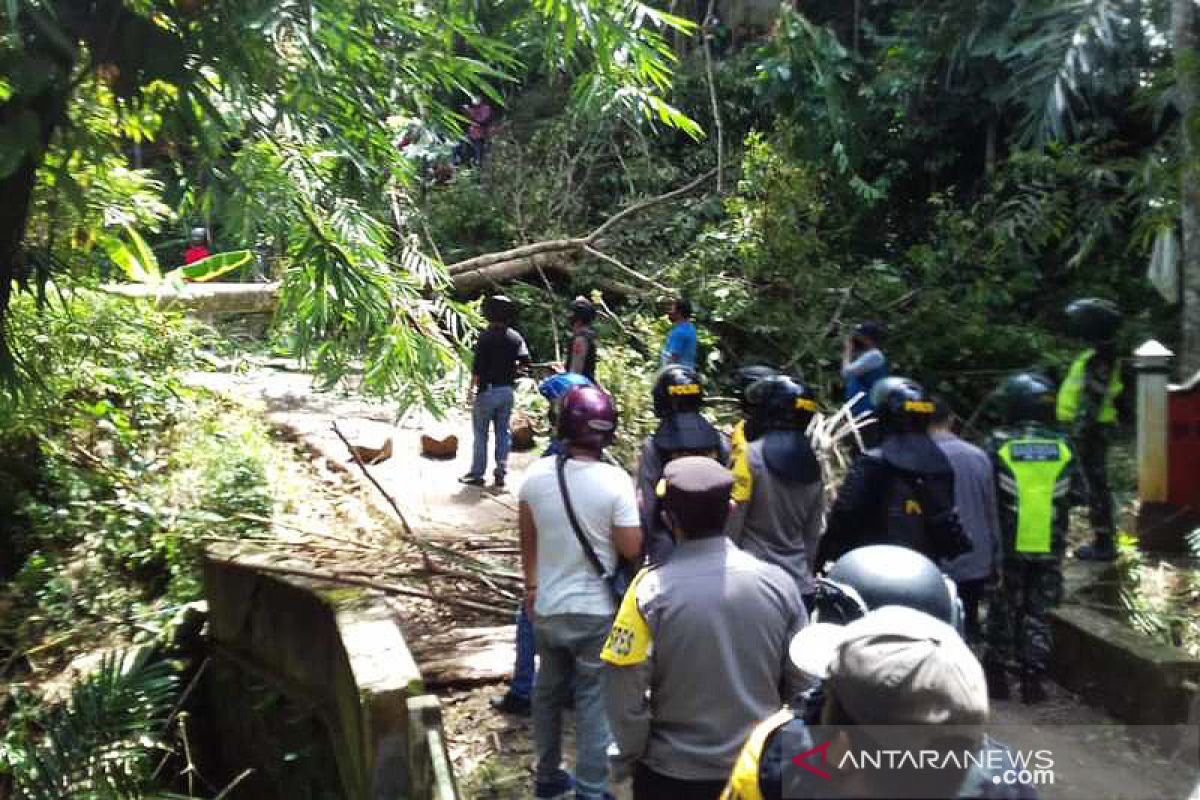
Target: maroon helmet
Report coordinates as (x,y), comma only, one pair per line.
(588,417)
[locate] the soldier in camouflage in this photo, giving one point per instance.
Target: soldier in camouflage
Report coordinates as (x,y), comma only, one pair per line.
(1036,476)
(1087,411)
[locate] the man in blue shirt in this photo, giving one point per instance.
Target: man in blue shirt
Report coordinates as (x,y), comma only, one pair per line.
(681,341)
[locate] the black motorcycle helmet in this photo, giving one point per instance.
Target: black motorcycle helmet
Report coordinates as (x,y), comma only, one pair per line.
(781,403)
(677,389)
(746,377)
(885,575)
(902,406)
(1027,397)
(1094,320)
(582,310)
(499,308)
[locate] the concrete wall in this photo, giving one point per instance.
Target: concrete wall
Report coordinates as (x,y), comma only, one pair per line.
(1116,668)
(340,653)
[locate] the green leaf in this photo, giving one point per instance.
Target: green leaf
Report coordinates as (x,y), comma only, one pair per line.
(125,258)
(216,265)
(144,255)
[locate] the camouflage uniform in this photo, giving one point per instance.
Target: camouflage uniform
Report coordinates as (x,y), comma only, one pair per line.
(1036,476)
(1087,410)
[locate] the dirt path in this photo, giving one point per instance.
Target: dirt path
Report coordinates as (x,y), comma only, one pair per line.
(492,752)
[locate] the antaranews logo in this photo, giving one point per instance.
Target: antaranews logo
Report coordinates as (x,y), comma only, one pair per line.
(908,761)
(1075,762)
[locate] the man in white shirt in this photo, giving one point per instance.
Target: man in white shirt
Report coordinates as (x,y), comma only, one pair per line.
(571,602)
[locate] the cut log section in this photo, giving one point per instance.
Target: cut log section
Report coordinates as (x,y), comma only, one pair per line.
(467,655)
(522,433)
(444,448)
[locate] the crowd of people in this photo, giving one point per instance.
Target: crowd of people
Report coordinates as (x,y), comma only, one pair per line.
(702,616)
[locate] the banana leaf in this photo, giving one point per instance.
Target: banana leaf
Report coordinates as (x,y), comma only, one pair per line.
(215,265)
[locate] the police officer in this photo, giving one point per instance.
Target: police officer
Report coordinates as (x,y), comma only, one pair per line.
(1034,469)
(778,485)
(901,492)
(743,431)
(866,579)
(698,652)
(1087,411)
(682,431)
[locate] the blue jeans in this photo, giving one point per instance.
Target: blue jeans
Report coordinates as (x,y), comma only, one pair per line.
(569,648)
(525,668)
(492,407)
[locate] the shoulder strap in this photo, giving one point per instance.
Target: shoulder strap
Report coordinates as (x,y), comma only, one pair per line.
(588,550)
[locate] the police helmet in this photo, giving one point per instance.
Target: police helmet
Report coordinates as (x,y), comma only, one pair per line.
(880,575)
(582,310)
(1027,396)
(781,403)
(1094,320)
(746,377)
(902,406)
(677,389)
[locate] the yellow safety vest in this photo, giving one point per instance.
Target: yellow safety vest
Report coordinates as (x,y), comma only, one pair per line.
(1071,392)
(743,782)
(739,464)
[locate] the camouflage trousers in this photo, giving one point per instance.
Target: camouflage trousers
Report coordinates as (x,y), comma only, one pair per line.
(1018,622)
(1091,445)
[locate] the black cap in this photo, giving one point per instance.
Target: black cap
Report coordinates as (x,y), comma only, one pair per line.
(695,490)
(869,330)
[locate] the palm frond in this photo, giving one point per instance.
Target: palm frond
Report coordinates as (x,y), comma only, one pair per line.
(104,741)
(1062,54)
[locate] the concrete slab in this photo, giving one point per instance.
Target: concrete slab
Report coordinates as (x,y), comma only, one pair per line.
(205,298)
(426,489)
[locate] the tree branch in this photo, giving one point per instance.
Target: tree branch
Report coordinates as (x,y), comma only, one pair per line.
(591,251)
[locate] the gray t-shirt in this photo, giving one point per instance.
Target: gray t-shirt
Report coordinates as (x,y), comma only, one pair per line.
(975,498)
(782,522)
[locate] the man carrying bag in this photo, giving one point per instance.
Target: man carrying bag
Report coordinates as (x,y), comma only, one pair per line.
(564,505)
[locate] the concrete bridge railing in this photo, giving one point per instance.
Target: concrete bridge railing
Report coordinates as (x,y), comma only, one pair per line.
(340,653)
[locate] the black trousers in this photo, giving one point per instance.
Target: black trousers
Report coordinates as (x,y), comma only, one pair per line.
(649,785)
(971,593)
(1092,448)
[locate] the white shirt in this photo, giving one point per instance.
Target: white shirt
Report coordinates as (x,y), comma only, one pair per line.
(603,498)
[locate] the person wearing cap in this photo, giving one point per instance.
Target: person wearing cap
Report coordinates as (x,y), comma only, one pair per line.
(197,249)
(577,516)
(581,359)
(863,364)
(499,353)
(682,431)
(778,486)
(895,666)
(698,652)
(975,499)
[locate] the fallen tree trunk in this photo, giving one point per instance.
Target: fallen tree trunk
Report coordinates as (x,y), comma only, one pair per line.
(475,273)
(497,271)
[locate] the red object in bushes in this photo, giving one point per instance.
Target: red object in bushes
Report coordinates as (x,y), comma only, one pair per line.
(195,253)
(1183,447)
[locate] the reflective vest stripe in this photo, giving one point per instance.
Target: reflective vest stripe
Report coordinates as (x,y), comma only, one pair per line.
(1037,484)
(743,782)
(1071,392)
